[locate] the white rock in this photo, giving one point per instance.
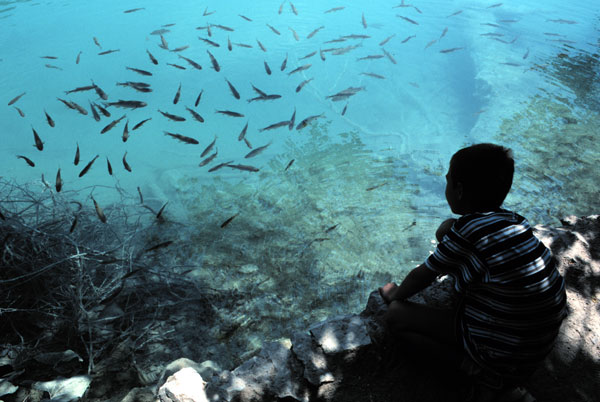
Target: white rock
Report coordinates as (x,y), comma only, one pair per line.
(65,390)
(186,385)
(341,334)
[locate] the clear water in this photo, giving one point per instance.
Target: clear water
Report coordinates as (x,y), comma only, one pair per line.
(361,201)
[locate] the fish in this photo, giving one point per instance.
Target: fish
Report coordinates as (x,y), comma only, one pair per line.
(508,21)
(130,104)
(364,21)
(159,246)
(293,8)
(381,77)
(267,68)
(244,17)
(38,141)
(49,57)
(329,229)
(210,42)
(109,166)
(99,91)
(191,62)
(306,121)
(230,113)
(111,125)
(195,115)
(26,159)
(140,124)
(179,49)
(562,21)
(281,7)
(294,33)
(125,164)
(108,52)
(444,32)
(102,110)
(133,10)
(526,54)
(407,19)
(311,54)
(292,120)
(172,116)
(454,13)
(206,12)
(138,86)
(141,196)
(177,95)
(163,43)
(258,91)
(284,63)
(257,151)
(247,143)
(214,62)
(81,89)
(334,9)
(228,220)
(243,132)
(152,58)
(21,113)
(408,38)
(343,50)
(301,68)
(430,43)
(76,160)
(15,99)
(234,91)
(344,109)
(314,32)
(219,166)
(386,40)
(78,107)
(223,27)
(176,66)
(274,30)
(209,159)
(322,54)
(159,31)
(49,119)
(389,56)
(275,125)
(99,211)
(370,57)
(376,186)
(229,47)
(289,164)
(88,166)
(52,66)
(490,25)
(265,97)
(97,42)
(137,70)
(126,131)
(198,98)
(495,5)
(302,84)
(208,148)
(246,168)
(356,36)
(264,49)
(453,49)
(182,138)
(59,181)
(72,228)
(161,210)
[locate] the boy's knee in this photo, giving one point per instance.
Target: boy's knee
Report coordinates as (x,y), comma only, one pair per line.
(396,316)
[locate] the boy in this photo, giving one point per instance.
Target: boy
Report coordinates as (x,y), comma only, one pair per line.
(512,298)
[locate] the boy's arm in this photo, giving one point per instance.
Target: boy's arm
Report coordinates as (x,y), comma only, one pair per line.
(416,280)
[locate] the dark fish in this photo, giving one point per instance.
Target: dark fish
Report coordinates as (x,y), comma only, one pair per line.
(137,70)
(329,229)
(126,131)
(177,95)
(243,45)
(444,32)
(281,7)
(267,68)
(322,54)
(214,62)
(264,49)
(191,62)
(208,148)
(265,97)
(293,8)
(234,91)
(182,138)
(229,47)
(133,10)
(219,166)
(246,168)
(140,193)
(526,54)
(453,49)
(371,57)
(306,121)
(49,119)
(228,220)
(195,115)
(138,86)
(407,19)
(381,77)
(198,98)
(302,84)
(209,159)
(88,166)
(301,68)
(16,98)
(256,151)
(180,49)
(160,211)
(159,246)
(284,62)
(152,58)
(344,109)
(38,142)
(20,111)
(206,12)
(172,116)
(102,110)
(313,33)
(334,9)
(52,66)
(111,125)
(72,228)
(125,164)
(455,13)
(364,21)
(76,160)
(244,17)
(230,113)
(140,124)
(258,91)
(389,56)
(408,38)
(275,125)
(289,164)
(377,186)
(99,91)
(109,166)
(311,54)
(49,57)
(97,43)
(79,108)
(292,120)
(356,36)
(243,132)
(160,31)
(223,27)
(210,42)
(495,5)
(26,159)
(346,93)
(131,104)
(274,30)
(163,43)
(247,143)
(108,52)
(99,211)
(67,103)
(59,182)
(176,66)
(81,89)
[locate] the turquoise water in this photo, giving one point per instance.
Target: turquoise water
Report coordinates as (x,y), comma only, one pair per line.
(360,203)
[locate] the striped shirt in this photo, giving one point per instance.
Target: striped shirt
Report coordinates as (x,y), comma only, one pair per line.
(513,298)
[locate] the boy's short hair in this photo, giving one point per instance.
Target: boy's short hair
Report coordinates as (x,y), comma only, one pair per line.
(486,173)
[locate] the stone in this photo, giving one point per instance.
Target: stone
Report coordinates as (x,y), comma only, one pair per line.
(312,358)
(341,334)
(186,385)
(65,389)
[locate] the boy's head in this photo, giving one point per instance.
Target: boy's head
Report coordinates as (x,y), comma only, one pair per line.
(479,178)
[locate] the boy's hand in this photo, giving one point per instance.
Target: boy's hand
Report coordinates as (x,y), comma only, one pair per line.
(444,229)
(387,291)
